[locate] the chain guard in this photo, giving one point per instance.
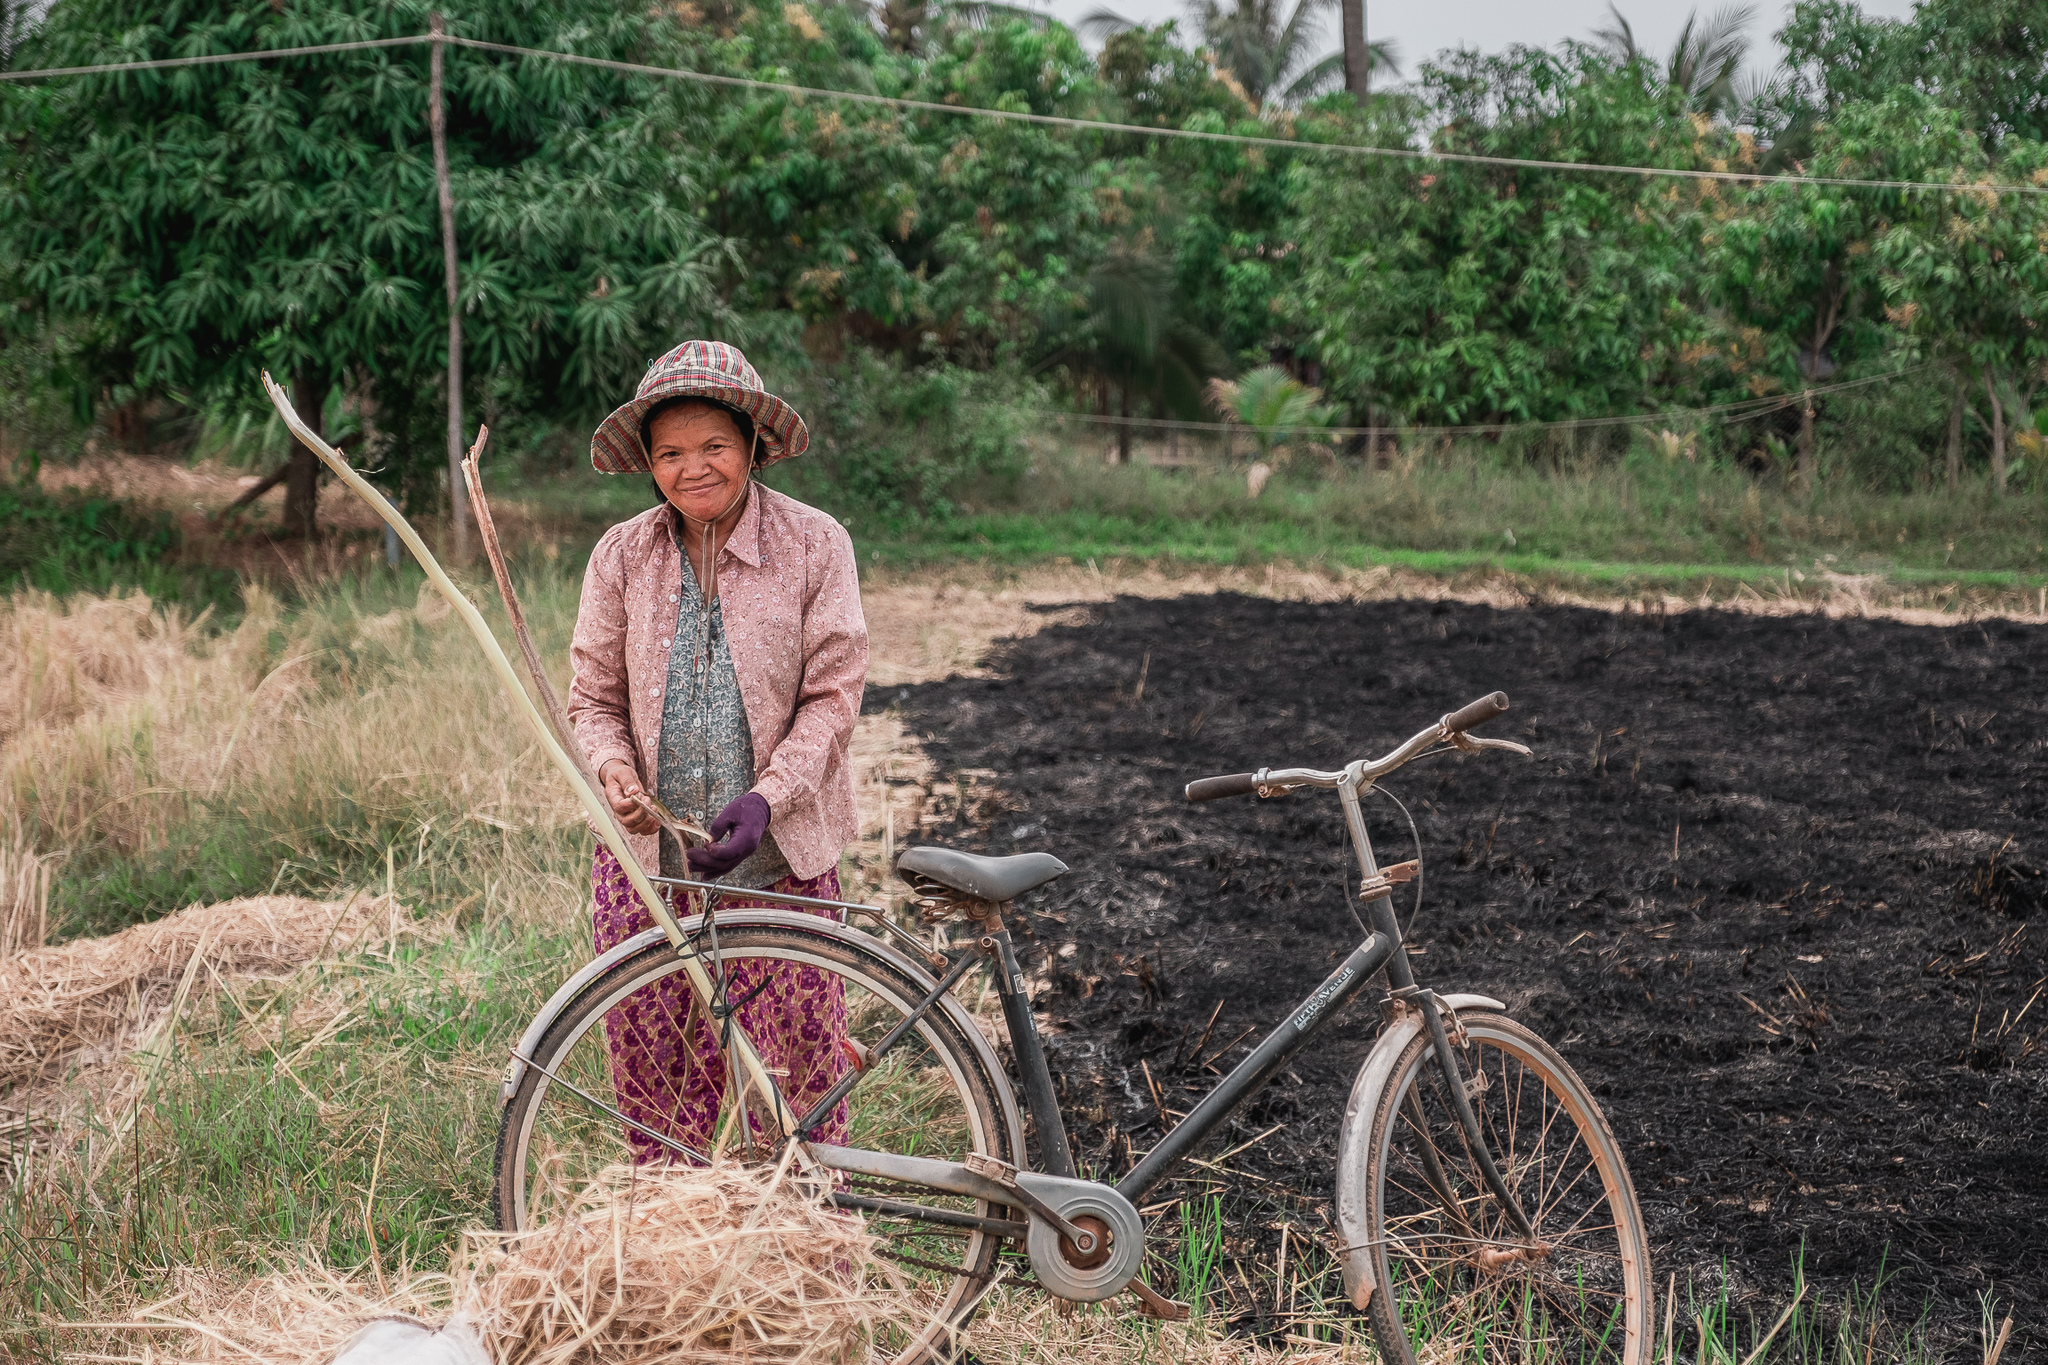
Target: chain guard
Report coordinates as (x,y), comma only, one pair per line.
(1068,1275)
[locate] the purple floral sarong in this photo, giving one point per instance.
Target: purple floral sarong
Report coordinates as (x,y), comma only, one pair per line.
(668,1071)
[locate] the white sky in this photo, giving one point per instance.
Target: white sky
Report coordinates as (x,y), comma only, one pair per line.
(1423,30)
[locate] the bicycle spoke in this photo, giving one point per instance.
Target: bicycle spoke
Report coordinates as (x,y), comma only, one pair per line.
(1464,1285)
(644,1056)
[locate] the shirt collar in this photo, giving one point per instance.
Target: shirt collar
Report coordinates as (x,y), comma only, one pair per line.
(743,544)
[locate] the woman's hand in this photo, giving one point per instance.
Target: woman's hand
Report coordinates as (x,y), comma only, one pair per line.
(738,829)
(621,787)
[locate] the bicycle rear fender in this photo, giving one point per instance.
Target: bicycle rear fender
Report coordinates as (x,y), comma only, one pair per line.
(795,919)
(1354,1197)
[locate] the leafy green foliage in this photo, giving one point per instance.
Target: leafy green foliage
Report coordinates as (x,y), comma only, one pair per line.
(193,225)
(282,213)
(1274,405)
(899,444)
(1453,293)
(73,534)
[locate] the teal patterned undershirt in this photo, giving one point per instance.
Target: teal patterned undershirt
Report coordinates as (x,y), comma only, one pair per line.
(702,712)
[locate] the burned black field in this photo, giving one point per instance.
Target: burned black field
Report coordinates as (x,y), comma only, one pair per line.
(1773,885)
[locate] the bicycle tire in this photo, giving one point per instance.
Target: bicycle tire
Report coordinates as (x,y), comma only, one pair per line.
(936,1069)
(1455,1282)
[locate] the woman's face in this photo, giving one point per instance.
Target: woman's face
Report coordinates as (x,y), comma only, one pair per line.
(700,464)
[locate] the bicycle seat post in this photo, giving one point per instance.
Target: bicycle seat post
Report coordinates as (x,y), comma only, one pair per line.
(1039,1097)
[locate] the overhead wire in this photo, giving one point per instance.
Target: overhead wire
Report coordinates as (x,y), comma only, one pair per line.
(1351,149)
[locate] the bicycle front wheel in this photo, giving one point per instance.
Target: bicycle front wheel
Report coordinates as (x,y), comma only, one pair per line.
(1457,1282)
(932,1095)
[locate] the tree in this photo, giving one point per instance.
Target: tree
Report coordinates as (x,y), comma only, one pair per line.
(1356,51)
(1275,407)
(1476,294)
(1966,278)
(1835,54)
(1704,59)
(1795,261)
(281,214)
(1137,341)
(1987,59)
(1257,44)
(1262,43)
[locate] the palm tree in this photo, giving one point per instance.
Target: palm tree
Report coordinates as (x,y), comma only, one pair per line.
(913,26)
(1703,63)
(1137,343)
(1261,46)
(1273,405)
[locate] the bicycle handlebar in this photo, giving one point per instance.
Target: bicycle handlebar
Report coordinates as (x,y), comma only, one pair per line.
(1213,788)
(1488,707)
(1267,781)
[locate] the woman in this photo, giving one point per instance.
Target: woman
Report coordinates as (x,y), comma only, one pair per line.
(719,656)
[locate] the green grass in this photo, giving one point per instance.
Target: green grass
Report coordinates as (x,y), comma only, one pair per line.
(1647,520)
(351,1110)
(94,542)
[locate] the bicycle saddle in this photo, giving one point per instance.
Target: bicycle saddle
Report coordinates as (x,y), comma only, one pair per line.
(990,879)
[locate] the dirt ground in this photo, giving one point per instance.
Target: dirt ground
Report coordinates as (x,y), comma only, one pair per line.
(1769,883)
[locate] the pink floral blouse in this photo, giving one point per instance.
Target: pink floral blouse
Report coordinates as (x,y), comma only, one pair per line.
(791,606)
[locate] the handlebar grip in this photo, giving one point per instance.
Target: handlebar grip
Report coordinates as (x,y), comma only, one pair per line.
(1478,712)
(1212,788)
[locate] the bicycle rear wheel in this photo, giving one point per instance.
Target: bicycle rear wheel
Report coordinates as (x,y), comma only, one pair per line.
(1457,1282)
(932,1095)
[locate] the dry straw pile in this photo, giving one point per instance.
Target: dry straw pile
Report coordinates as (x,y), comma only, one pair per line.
(654,1266)
(680,1266)
(93,1000)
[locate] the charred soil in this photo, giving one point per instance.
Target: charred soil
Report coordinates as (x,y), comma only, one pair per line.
(1772,885)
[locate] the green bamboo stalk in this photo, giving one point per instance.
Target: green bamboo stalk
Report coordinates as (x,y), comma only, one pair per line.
(601,817)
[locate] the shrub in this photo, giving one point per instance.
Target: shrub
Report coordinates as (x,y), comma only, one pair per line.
(907,443)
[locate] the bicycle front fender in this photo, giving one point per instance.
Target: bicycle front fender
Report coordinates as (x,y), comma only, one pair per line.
(1354,1193)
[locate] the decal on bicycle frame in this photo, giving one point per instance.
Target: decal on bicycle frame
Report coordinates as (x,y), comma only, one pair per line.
(1320,1001)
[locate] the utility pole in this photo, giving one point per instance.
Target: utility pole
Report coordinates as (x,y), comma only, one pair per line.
(1357,56)
(437,122)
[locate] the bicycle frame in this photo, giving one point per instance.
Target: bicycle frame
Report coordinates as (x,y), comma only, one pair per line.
(1381,948)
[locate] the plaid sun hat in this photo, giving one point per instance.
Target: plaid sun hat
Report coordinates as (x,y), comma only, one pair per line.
(698,369)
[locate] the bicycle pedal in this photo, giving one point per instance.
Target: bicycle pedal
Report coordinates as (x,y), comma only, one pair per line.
(1153,1304)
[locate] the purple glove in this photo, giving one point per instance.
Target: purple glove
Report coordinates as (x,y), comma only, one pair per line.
(738,830)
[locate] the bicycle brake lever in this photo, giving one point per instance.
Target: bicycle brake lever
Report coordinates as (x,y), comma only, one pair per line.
(1469,744)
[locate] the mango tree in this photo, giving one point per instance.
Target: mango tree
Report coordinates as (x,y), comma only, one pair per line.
(1443,292)
(1796,261)
(1967,276)
(208,222)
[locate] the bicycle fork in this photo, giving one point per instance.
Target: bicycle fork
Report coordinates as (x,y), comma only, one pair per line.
(1401,978)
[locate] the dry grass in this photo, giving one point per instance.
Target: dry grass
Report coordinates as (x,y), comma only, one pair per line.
(24,901)
(1019,1328)
(97,998)
(357,730)
(63,660)
(290,749)
(675,1266)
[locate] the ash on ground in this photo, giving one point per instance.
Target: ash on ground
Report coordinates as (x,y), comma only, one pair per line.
(1771,884)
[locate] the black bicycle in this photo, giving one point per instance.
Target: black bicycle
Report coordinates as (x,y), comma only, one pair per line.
(1484,1206)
